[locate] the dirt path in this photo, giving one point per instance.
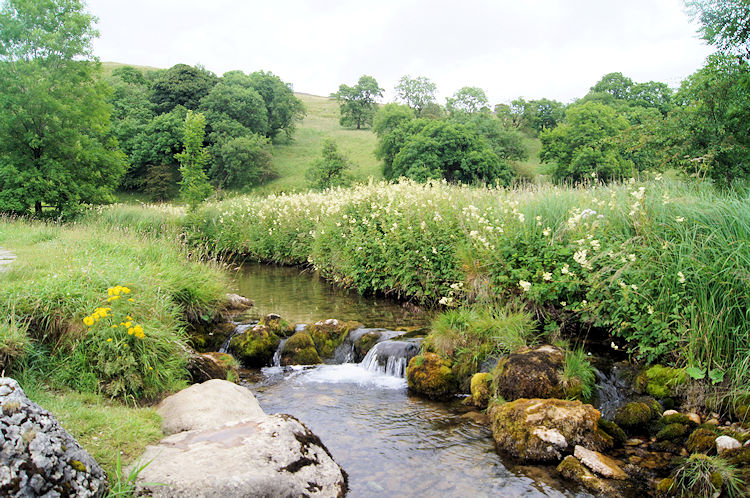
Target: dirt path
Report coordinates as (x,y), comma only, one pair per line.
(6,258)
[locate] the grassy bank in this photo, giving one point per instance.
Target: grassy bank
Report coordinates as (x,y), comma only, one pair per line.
(663,265)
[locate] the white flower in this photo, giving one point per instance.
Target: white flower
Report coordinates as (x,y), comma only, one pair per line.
(521,217)
(547,231)
(631,257)
(650,310)
(613,346)
(634,287)
(679,219)
(681,277)
(523,284)
(563,303)
(547,276)
(565,269)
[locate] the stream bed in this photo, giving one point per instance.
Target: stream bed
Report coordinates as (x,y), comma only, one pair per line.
(389,442)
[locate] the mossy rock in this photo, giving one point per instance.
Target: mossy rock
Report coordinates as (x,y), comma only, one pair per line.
(741,413)
(664,488)
(299,350)
(431,375)
(211,337)
(702,440)
(660,381)
(739,457)
(614,431)
(255,347)
(530,373)
(481,385)
(328,334)
(207,366)
(573,470)
(365,342)
(676,418)
(277,325)
(633,416)
(673,432)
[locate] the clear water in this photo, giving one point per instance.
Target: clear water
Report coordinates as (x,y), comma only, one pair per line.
(390,442)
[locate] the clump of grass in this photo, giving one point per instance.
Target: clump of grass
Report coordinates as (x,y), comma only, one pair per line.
(703,475)
(14,341)
(578,377)
(470,335)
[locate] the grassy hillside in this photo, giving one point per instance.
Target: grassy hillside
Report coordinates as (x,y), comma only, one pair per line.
(109,67)
(322,120)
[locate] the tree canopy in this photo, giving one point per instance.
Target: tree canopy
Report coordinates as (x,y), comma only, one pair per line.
(332,169)
(181,85)
(725,24)
(418,93)
(358,103)
(469,100)
(56,148)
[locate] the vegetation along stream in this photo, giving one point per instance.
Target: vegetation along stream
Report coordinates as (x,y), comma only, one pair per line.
(390,442)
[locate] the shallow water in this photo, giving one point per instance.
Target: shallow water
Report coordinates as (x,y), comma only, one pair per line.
(390,442)
(305,297)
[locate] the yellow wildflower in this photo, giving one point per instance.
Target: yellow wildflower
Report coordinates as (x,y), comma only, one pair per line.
(130,331)
(113,326)
(131,299)
(125,290)
(128,324)
(109,339)
(88,321)
(128,317)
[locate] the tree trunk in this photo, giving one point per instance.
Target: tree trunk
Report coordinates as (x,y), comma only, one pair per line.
(38,208)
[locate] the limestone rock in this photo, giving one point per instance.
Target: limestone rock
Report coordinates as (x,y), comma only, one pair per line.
(236,302)
(328,334)
(695,418)
(206,405)
(271,456)
(667,413)
(207,366)
(539,430)
(600,464)
(255,347)
(530,373)
(725,443)
(570,468)
(431,375)
(300,350)
(37,456)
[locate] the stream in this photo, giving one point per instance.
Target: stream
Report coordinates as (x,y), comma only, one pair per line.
(389,442)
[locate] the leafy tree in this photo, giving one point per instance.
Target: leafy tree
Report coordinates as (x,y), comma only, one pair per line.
(510,115)
(160,182)
(450,151)
(583,144)
(181,85)
(468,99)
(725,24)
(283,109)
(357,103)
(56,148)
(391,143)
(194,186)
(389,117)
(614,84)
(243,105)
(333,169)
(241,162)
(417,92)
(505,141)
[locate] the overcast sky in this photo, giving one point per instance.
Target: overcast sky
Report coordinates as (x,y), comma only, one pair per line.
(532,48)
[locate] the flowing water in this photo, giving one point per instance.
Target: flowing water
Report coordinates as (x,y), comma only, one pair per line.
(390,442)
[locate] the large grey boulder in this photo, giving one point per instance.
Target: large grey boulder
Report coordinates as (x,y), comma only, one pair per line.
(37,456)
(228,447)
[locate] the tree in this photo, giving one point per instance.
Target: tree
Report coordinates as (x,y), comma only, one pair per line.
(283,109)
(469,100)
(505,141)
(389,117)
(194,186)
(614,84)
(332,169)
(238,103)
(181,85)
(583,144)
(725,24)
(241,162)
(56,149)
(450,151)
(417,92)
(357,103)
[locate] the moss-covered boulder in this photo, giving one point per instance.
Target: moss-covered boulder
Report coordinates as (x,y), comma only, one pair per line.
(661,382)
(481,385)
(431,375)
(614,431)
(255,347)
(365,342)
(673,432)
(277,325)
(299,350)
(544,430)
(634,416)
(328,334)
(210,337)
(573,470)
(702,440)
(530,373)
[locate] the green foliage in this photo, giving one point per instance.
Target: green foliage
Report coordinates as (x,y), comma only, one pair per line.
(181,85)
(241,162)
(14,341)
(333,169)
(506,142)
(578,376)
(194,186)
(450,151)
(283,109)
(703,475)
(724,24)
(582,146)
(160,182)
(418,93)
(56,149)
(241,105)
(389,117)
(532,115)
(468,100)
(358,103)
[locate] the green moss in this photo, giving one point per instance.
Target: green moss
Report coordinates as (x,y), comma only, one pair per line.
(613,431)
(660,382)
(78,465)
(327,335)
(633,415)
(672,432)
(738,456)
(255,348)
(480,389)
(299,350)
(664,487)
(431,375)
(702,440)
(277,325)
(676,418)
(365,342)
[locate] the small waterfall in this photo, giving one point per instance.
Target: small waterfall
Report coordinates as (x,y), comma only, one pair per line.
(239,329)
(611,392)
(277,354)
(391,357)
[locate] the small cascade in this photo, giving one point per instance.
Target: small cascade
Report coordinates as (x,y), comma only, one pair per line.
(239,329)
(277,354)
(391,357)
(612,391)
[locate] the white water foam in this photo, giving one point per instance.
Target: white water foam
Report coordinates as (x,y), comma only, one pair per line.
(351,373)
